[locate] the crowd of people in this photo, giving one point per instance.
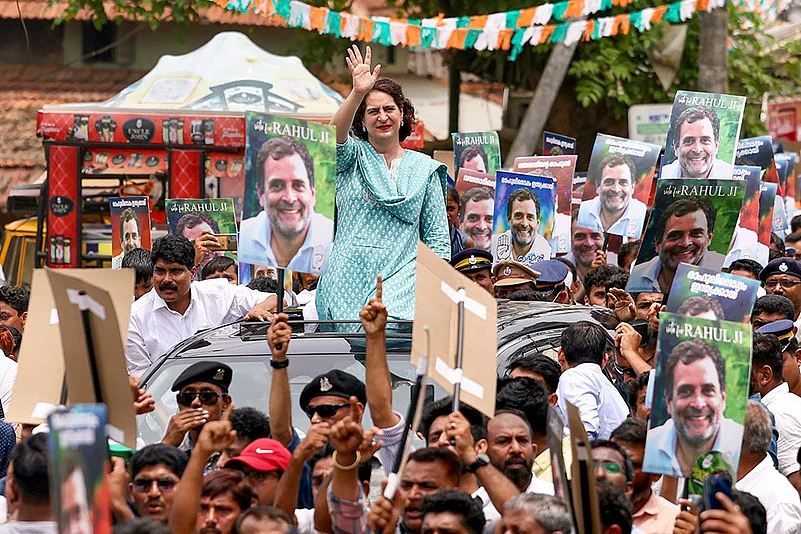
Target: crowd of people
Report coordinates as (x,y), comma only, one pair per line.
(222,467)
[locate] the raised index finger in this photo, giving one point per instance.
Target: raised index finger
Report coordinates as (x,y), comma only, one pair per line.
(379,287)
(354,409)
(227,413)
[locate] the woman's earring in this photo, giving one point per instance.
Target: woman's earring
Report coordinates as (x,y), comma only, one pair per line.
(401,123)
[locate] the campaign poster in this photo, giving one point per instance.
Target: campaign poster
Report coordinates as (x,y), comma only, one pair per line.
(561,169)
(477,206)
(468,179)
(692,221)
(697,358)
(130,226)
(558,145)
(477,151)
(758,151)
(746,244)
(579,183)
(700,292)
(524,216)
(702,140)
(79,454)
(615,199)
(290,170)
(190,216)
(767,203)
(790,188)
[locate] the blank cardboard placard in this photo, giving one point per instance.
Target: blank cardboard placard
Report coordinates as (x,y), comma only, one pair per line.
(437,309)
(40,375)
(446,157)
(582,486)
(109,349)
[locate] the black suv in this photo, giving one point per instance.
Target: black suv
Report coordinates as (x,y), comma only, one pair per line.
(523,327)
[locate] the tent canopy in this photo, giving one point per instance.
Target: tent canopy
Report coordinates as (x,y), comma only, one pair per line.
(230,73)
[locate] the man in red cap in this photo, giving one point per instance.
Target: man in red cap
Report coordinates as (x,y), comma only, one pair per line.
(263,462)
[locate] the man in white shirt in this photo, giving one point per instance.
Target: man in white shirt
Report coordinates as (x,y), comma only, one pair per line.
(696,139)
(614,210)
(767,380)
(8,375)
(176,308)
(757,476)
(583,384)
(27,488)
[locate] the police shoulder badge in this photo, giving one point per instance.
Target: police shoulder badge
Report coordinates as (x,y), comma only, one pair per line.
(325,385)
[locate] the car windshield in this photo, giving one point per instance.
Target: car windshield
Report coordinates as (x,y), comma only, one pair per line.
(252,379)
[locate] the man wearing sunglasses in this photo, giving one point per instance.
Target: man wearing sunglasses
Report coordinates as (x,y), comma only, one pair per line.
(782,276)
(202,395)
(155,471)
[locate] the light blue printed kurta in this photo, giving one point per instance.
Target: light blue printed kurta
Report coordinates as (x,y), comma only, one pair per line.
(380,217)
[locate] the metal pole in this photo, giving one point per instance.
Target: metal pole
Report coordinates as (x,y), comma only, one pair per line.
(457,388)
(280,294)
(90,349)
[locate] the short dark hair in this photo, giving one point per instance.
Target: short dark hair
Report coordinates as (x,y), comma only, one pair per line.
(472,152)
(626,249)
(538,363)
(528,295)
(393,89)
(795,236)
(778,242)
(138,259)
(628,468)
(635,386)
(444,407)
(128,214)
(141,525)
(429,455)
(217,264)
(527,396)
(795,223)
(475,194)
(776,254)
(692,115)
(228,481)
(683,207)
(584,342)
(250,424)
(691,351)
(173,248)
(16,297)
(502,410)
(604,276)
(616,160)
(30,459)
(282,147)
(521,194)
(698,304)
(192,219)
(752,509)
(458,503)
(774,304)
(261,512)
(768,351)
(614,505)
(745,264)
(631,430)
(264,284)
(170,457)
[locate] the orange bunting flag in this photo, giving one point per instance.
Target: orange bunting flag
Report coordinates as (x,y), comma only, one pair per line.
(575,8)
(526,16)
(659,13)
(413,36)
(547,31)
(478,22)
(318,16)
(589,29)
(505,39)
(457,38)
(622,24)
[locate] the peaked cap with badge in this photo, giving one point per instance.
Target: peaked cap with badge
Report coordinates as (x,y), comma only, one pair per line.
(335,383)
(215,373)
(471,259)
(512,273)
(781,266)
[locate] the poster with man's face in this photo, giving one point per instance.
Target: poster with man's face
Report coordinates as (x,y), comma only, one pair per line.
(130,226)
(524,213)
(746,243)
(615,197)
(287,221)
(189,217)
(477,206)
(701,142)
(700,392)
(692,221)
(767,203)
(560,168)
(557,145)
(79,453)
(476,151)
(700,292)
